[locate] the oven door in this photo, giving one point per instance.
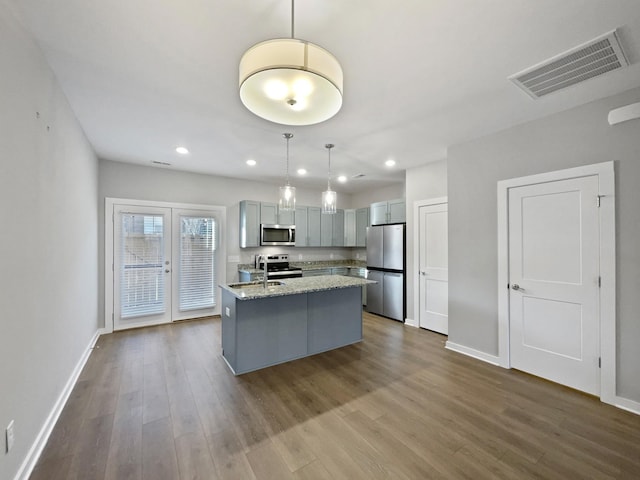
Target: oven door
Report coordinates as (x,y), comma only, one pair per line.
(280,274)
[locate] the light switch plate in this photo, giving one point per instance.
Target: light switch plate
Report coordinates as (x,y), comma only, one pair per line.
(227,311)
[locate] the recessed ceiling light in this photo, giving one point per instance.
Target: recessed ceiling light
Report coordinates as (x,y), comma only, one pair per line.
(182,150)
(342,178)
(390,163)
(302,171)
(251,162)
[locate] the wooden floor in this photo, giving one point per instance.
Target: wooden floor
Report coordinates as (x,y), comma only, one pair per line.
(160,403)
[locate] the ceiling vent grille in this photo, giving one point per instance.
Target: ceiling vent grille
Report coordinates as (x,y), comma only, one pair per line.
(598,56)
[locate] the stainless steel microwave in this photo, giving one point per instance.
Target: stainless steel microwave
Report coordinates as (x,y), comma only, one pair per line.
(277,234)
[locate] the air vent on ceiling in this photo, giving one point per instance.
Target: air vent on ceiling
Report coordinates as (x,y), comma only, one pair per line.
(357,175)
(165,164)
(598,56)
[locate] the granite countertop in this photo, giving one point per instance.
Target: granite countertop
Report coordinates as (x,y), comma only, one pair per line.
(293,286)
(315,265)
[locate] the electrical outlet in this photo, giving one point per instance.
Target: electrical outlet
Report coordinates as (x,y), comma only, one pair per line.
(10,437)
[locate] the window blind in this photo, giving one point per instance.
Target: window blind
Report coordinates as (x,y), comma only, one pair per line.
(197,282)
(141,265)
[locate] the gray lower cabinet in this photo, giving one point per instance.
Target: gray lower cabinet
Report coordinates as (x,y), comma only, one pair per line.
(258,333)
(316,272)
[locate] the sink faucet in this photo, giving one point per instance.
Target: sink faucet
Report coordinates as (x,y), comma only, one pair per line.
(264,259)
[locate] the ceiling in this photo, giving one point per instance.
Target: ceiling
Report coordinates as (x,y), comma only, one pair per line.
(146,76)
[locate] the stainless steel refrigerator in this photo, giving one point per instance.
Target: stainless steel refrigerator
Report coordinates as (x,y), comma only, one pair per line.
(386,265)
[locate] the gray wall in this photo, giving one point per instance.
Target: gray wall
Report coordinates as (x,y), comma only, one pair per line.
(48,286)
(120,180)
(580,136)
(422,183)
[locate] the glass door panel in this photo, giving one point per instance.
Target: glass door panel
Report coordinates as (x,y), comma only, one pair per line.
(142,266)
(195,251)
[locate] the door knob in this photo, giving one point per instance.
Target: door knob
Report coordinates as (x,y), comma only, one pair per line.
(167,271)
(423,273)
(515,286)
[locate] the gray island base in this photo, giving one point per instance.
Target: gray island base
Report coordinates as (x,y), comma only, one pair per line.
(304,316)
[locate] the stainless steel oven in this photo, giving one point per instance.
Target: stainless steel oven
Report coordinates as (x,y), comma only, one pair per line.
(279,268)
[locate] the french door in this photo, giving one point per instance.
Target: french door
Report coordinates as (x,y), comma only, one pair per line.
(165,264)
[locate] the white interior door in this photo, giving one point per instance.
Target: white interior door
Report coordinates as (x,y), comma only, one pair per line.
(141,266)
(554,280)
(434,268)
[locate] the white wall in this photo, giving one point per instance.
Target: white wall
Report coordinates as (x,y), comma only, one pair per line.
(579,136)
(48,240)
(367,197)
(422,183)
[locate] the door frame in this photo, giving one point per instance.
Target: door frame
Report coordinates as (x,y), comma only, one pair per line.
(416,249)
(109,215)
(607,314)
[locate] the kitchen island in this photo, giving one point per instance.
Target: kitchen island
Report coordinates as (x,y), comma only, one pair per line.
(291,319)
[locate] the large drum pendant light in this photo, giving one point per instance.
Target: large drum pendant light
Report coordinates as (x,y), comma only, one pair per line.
(290,81)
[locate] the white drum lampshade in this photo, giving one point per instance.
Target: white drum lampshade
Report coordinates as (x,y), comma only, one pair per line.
(290,82)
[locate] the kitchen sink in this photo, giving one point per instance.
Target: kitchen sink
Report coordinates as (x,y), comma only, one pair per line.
(256,284)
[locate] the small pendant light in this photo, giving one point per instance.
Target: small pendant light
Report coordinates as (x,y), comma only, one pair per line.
(287,193)
(329,197)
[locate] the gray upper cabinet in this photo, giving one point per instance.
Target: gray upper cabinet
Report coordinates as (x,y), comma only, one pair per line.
(326,230)
(392,211)
(397,211)
(355,227)
(362,222)
(378,213)
(287,217)
(313,226)
(253,213)
(332,229)
(350,228)
(249,224)
(338,229)
(270,214)
(307,226)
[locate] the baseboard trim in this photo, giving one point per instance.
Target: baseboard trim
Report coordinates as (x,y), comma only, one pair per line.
(411,322)
(43,436)
(626,404)
(470,352)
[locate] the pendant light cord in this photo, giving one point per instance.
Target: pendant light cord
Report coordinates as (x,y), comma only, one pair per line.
(287,136)
(292,16)
(329,146)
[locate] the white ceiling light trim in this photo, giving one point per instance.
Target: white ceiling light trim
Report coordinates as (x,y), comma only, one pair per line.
(595,57)
(291,81)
